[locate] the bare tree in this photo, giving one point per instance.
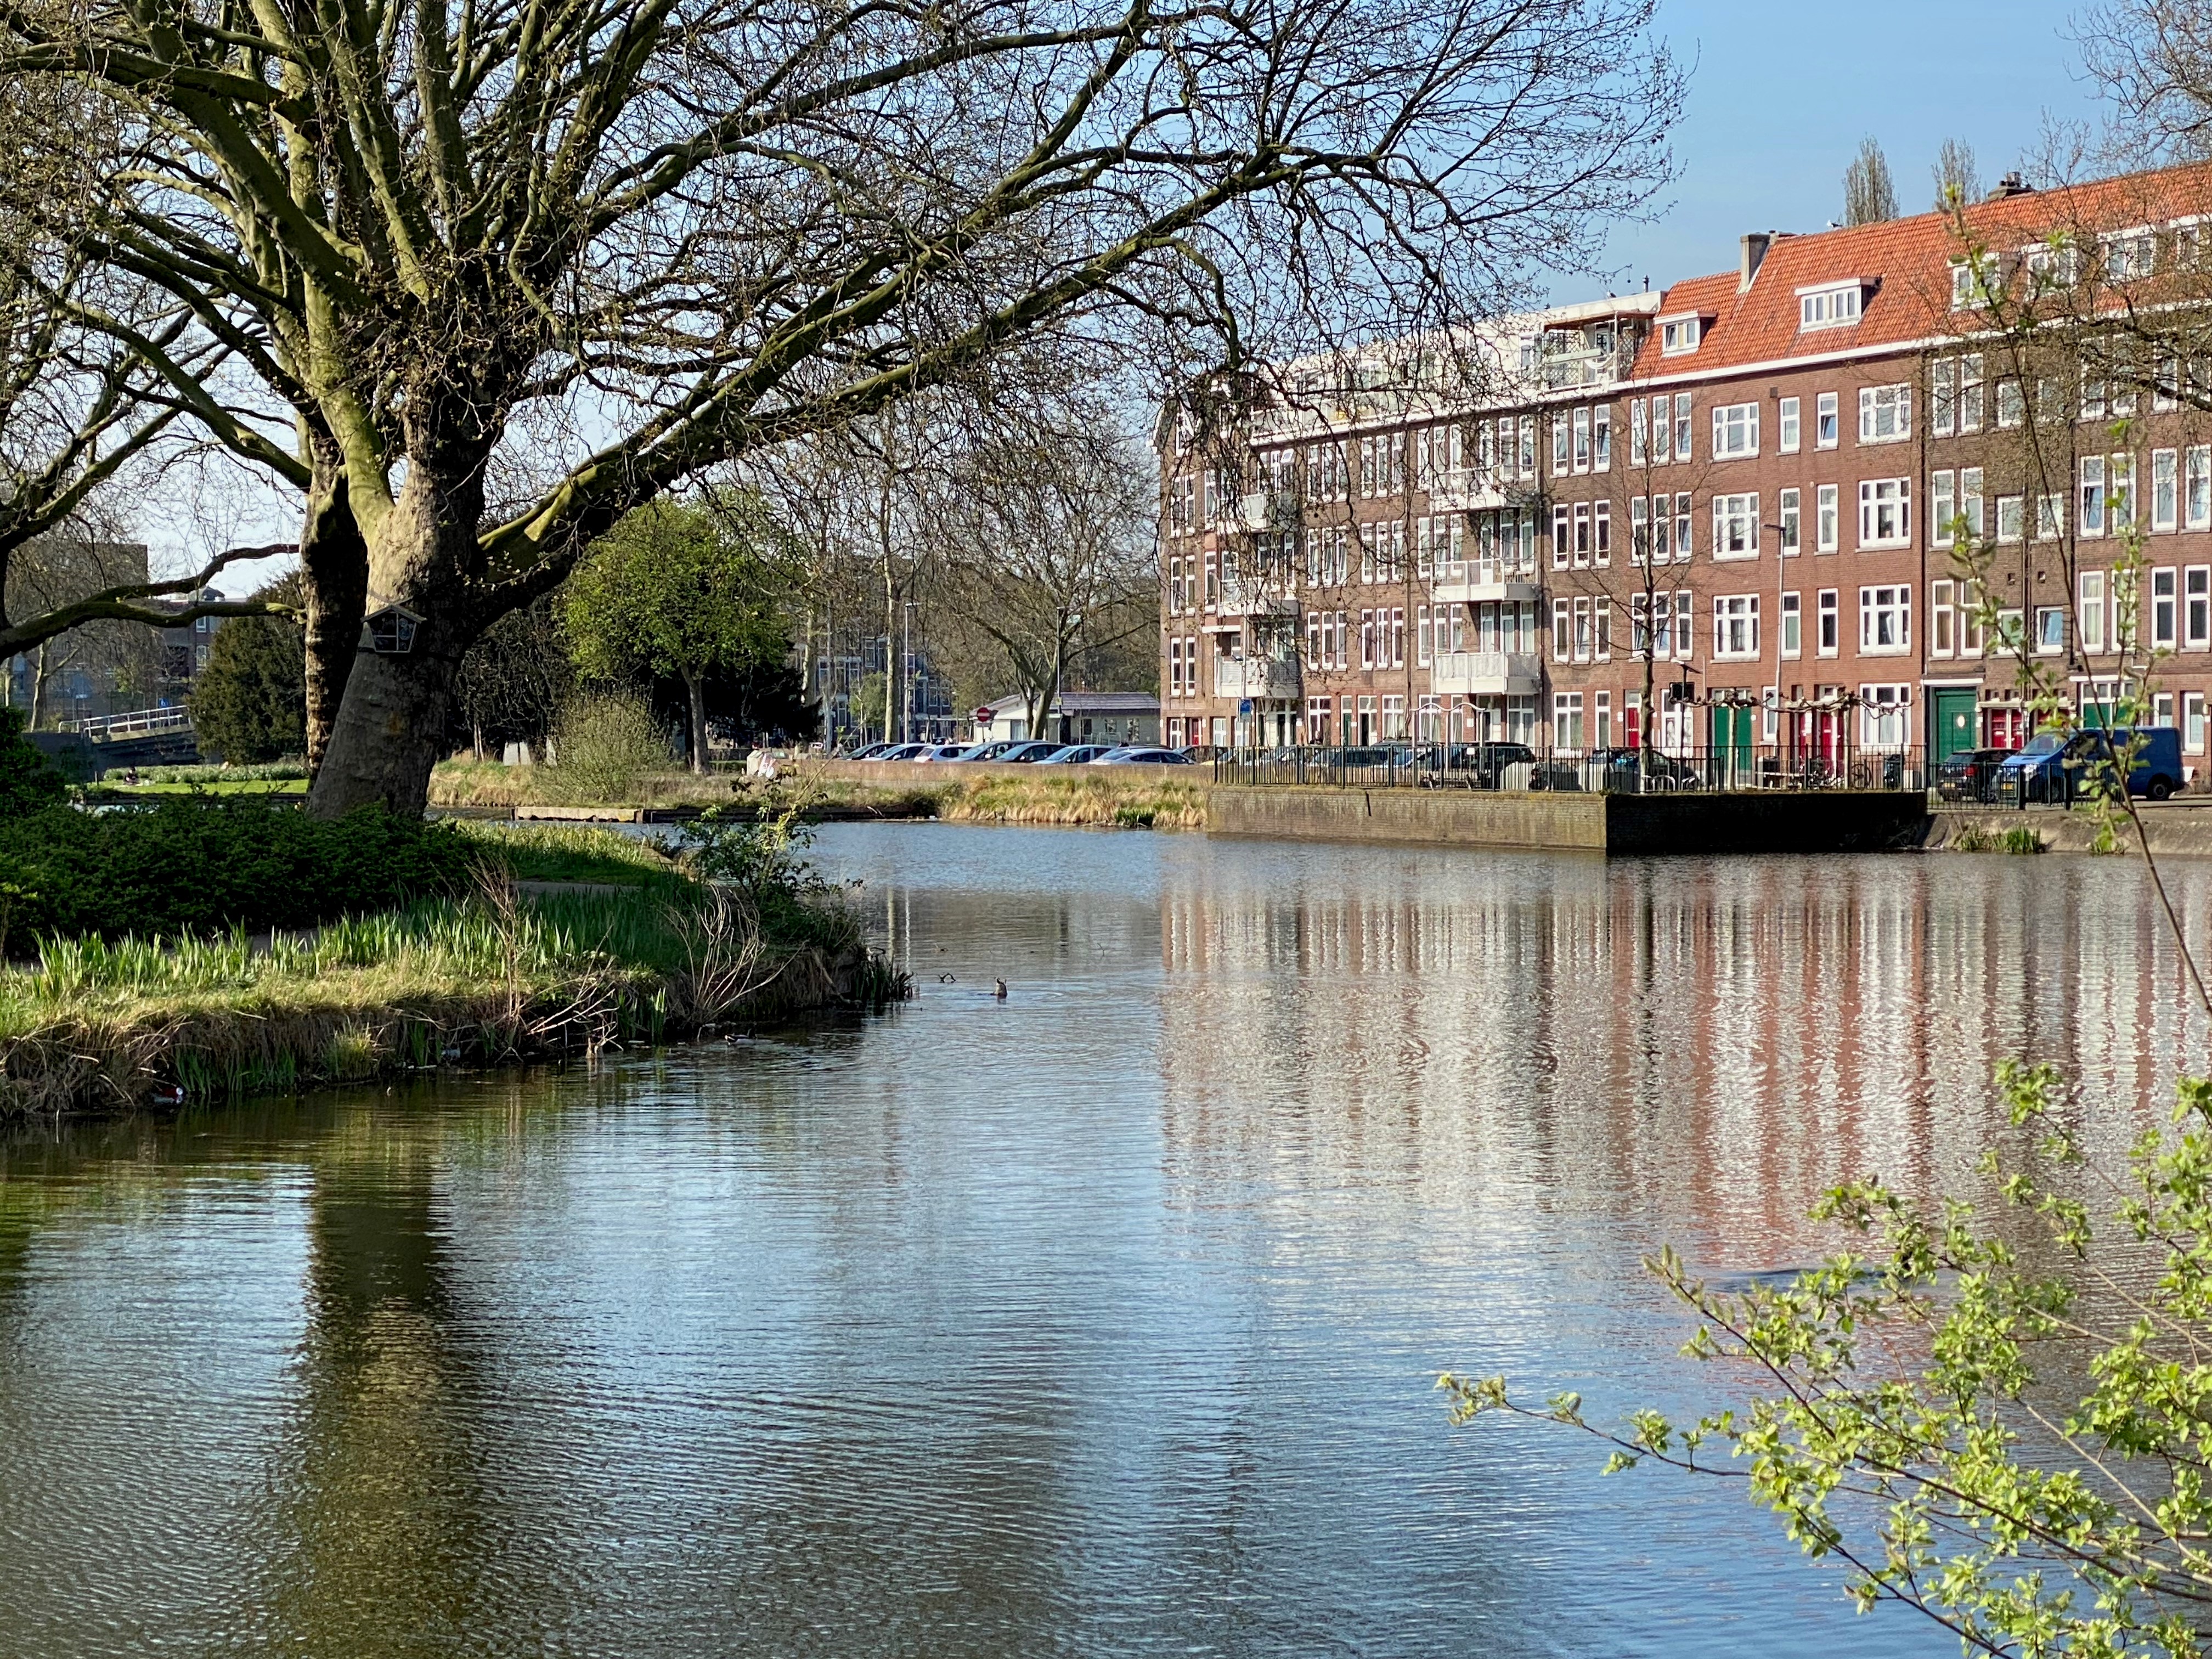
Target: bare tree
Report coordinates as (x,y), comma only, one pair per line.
(509,273)
(1957,179)
(1870,193)
(2153,61)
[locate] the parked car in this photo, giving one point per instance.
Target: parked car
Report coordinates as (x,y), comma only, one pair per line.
(1970,775)
(991,751)
(1074,754)
(1485,762)
(1625,769)
(1205,751)
(2054,766)
(1036,748)
(944,751)
(901,751)
(873,751)
(1141,755)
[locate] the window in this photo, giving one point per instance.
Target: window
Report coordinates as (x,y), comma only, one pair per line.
(1735,430)
(1785,419)
(1829,307)
(1636,431)
(1421,637)
(2012,518)
(2050,630)
(1735,626)
(1582,535)
(1943,397)
(1639,529)
(1791,538)
(2196,487)
(2197,607)
(2165,489)
(1885,716)
(1367,639)
(1582,440)
(1970,620)
(1528,446)
(1943,636)
(1678,335)
(1583,637)
(2120,490)
(2130,254)
(1973,282)
(2163,610)
(1682,426)
(2050,518)
(1566,719)
(1562,534)
(1682,516)
(1684,611)
(1825,431)
(1884,414)
(1736,526)
(1602,439)
(1885,621)
(1942,507)
(1793,626)
(1831,634)
(2092,610)
(1885,511)
(1602,534)
(2092,517)
(1560,444)
(1562,626)
(1826,511)
(1662,430)
(2192,722)
(1662,529)
(1970,393)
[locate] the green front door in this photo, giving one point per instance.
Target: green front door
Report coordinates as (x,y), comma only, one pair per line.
(1951,724)
(1732,738)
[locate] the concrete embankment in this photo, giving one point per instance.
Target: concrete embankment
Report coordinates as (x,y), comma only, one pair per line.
(1833,822)
(2176,829)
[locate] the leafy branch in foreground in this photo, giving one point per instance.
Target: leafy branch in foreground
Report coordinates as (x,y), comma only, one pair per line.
(2018,1450)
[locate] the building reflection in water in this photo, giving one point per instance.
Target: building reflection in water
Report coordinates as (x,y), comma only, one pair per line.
(1714,1042)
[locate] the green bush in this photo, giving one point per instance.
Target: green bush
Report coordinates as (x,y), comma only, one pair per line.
(603,745)
(29,782)
(200,864)
(279,771)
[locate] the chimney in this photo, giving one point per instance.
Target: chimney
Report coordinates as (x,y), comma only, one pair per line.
(1755,244)
(2011,185)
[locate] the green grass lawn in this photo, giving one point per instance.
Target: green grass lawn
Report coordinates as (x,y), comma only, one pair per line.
(240,786)
(571,851)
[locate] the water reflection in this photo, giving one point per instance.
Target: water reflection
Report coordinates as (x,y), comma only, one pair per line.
(1099,1320)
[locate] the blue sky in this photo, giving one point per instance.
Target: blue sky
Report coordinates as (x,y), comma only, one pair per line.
(1781,93)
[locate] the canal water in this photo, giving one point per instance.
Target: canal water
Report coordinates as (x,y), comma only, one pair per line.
(1100,1320)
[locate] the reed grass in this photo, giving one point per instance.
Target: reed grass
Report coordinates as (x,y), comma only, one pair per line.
(489,977)
(1086,797)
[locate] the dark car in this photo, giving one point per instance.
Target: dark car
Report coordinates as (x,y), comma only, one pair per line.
(1022,754)
(1971,775)
(1485,764)
(1631,770)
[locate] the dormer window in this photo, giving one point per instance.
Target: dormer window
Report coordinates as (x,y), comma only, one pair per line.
(2130,254)
(2051,268)
(1973,282)
(1832,305)
(1678,336)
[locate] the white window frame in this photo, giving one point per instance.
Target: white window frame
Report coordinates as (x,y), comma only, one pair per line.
(1786,434)
(1889,604)
(2165,489)
(1885,413)
(2090,612)
(1827,420)
(1830,305)
(1879,498)
(1735,527)
(1679,336)
(1828,518)
(1793,625)
(1735,431)
(1735,626)
(1828,636)
(1789,517)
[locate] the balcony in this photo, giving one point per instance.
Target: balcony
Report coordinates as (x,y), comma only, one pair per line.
(1488,673)
(1485,582)
(1267,509)
(1263,679)
(1244,596)
(1466,491)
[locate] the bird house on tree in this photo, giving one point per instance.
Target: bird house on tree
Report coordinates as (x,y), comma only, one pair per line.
(390,631)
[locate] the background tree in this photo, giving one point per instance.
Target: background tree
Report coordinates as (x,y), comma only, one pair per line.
(676,590)
(250,704)
(1957,179)
(515,681)
(1870,193)
(498,279)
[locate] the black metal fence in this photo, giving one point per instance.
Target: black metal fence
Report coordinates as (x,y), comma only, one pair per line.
(1512,766)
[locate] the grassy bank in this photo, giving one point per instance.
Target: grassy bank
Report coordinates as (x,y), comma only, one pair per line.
(1077,795)
(482,976)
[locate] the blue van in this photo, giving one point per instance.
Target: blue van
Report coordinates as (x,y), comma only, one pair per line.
(2055,767)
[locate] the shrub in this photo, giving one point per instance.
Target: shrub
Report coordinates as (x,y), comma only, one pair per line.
(29,782)
(204,865)
(250,703)
(603,745)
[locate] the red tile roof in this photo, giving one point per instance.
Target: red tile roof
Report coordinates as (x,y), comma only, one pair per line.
(1906,264)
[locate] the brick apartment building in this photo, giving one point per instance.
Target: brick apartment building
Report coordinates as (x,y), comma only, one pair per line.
(1739,491)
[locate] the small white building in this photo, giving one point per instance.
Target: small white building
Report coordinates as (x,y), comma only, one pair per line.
(1076,717)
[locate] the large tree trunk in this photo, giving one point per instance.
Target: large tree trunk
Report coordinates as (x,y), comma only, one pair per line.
(334,579)
(392,720)
(696,690)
